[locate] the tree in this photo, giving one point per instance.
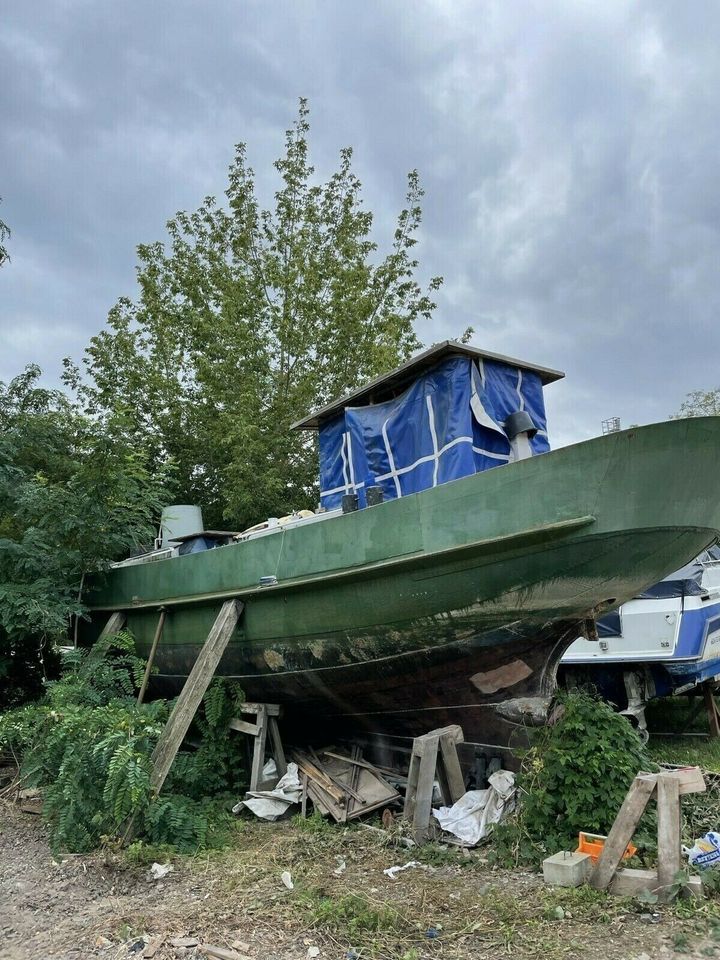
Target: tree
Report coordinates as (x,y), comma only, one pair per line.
(247,319)
(74,495)
(700,403)
(4,235)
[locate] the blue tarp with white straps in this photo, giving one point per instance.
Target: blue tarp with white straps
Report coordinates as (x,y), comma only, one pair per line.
(447,424)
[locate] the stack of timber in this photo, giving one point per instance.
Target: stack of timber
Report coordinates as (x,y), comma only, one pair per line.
(342,785)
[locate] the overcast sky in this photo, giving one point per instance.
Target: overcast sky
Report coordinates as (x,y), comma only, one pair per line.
(569,151)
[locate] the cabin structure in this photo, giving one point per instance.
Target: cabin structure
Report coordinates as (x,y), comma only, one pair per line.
(451,411)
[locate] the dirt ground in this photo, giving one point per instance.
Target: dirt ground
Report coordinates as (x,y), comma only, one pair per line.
(342,904)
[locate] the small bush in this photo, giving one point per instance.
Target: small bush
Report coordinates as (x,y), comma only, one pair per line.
(88,745)
(574,778)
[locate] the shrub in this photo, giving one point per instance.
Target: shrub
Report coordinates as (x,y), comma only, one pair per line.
(574,778)
(88,745)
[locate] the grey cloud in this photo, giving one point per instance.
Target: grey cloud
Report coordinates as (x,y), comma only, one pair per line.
(569,153)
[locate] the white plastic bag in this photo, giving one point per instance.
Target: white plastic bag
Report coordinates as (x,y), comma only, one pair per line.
(705,852)
(471,817)
(271,804)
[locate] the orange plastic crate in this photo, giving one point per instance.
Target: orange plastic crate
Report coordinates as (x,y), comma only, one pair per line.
(593,844)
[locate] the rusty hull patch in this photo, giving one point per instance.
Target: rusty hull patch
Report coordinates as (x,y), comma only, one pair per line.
(502,677)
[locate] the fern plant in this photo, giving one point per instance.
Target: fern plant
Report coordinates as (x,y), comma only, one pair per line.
(88,745)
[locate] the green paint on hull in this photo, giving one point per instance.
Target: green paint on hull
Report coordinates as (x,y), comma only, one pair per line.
(551,539)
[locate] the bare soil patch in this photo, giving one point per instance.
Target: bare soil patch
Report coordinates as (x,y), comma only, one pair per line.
(452,906)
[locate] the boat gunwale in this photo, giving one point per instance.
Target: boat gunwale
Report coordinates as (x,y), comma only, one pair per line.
(417,558)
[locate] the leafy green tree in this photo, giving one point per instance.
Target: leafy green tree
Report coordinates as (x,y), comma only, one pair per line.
(246,319)
(4,234)
(74,495)
(700,403)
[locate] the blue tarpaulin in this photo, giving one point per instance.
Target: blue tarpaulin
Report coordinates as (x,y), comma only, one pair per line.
(447,424)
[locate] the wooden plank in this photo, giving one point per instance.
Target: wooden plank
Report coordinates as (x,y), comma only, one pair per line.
(303,802)
(318,776)
(193,691)
(358,761)
(336,776)
(454,731)
(375,791)
(712,711)
(425,783)
(629,883)
(116,622)
(258,760)
(271,709)
(668,804)
(277,747)
(621,833)
(690,779)
(451,764)
(242,726)
(151,657)
(354,774)
(411,789)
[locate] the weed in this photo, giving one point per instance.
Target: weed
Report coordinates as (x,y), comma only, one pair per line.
(681,942)
(349,914)
(315,824)
(437,855)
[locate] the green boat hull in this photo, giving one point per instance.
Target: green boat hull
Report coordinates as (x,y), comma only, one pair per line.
(441,606)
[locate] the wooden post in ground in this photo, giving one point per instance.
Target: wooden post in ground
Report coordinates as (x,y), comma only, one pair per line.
(668,806)
(151,657)
(192,693)
(711,707)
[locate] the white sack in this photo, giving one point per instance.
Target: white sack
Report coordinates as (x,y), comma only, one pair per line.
(470,818)
(271,804)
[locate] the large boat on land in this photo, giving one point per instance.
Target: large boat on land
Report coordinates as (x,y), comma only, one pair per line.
(453,560)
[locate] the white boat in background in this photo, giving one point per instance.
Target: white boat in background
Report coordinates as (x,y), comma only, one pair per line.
(664,642)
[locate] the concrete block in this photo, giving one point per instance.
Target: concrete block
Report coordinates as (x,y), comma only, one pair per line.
(567,869)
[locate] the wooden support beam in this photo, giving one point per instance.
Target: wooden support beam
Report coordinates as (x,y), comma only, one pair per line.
(242,726)
(116,622)
(271,709)
(276,746)
(192,693)
(668,805)
(433,755)
(712,711)
(258,759)
(151,657)
(629,883)
(621,833)
(453,777)
(690,779)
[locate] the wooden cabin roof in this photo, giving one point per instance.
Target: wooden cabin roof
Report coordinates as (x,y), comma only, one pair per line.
(390,384)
